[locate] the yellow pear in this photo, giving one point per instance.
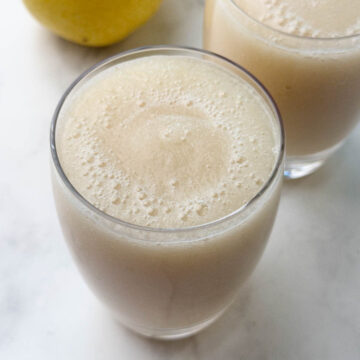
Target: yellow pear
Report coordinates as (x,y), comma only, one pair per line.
(92,22)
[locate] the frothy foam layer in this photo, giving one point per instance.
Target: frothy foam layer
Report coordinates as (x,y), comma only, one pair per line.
(167,142)
(311,18)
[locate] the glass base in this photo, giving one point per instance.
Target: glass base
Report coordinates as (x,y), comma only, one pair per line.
(299,166)
(172,334)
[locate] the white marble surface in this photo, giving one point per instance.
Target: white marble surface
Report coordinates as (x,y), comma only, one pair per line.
(303,301)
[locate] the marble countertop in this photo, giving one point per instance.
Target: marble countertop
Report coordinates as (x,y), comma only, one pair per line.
(302,302)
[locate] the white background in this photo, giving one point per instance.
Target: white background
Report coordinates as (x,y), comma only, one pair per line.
(303,301)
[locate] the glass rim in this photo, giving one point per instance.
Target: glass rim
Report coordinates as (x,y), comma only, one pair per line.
(299,37)
(149,229)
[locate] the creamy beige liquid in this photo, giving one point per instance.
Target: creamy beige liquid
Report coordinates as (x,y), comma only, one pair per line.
(166,142)
(316,83)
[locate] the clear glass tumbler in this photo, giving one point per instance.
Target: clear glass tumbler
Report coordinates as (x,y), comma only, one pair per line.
(314,81)
(163,282)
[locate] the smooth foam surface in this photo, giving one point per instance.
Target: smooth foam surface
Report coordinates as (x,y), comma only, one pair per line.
(167,142)
(311,18)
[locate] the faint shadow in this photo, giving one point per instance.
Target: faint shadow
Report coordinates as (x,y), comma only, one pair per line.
(321,176)
(338,177)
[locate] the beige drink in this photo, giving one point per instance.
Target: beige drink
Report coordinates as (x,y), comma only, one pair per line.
(307,54)
(172,142)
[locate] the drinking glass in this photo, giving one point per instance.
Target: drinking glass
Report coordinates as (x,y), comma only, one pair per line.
(165,282)
(314,81)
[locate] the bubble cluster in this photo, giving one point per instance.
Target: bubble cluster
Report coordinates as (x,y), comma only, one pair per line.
(309,18)
(151,146)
